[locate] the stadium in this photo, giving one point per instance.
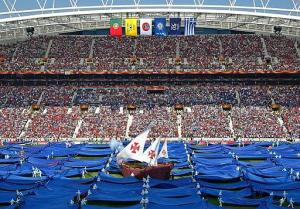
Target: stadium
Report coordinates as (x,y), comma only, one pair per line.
(138,104)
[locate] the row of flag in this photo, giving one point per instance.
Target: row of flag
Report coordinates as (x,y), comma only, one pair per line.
(148,27)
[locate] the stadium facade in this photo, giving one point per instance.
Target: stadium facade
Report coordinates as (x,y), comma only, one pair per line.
(53,17)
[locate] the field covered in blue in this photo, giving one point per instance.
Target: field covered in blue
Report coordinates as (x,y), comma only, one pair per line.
(58,175)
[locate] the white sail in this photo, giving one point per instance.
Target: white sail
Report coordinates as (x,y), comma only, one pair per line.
(151,154)
(134,150)
(164,151)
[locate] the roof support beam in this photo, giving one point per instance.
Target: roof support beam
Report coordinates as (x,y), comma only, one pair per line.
(296,4)
(232,3)
(227,15)
(10,6)
(74,3)
(53,5)
(42,4)
(137,2)
(199,2)
(265,3)
(63,24)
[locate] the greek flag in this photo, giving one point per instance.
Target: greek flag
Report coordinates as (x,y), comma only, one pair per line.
(189,24)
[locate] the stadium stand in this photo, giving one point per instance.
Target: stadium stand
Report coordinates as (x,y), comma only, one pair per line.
(242,52)
(287,96)
(256,122)
(6,54)
(12,121)
(195,54)
(291,117)
(111,53)
(53,122)
(68,53)
(162,119)
(201,53)
(57,96)
(283,53)
(7,51)
(28,55)
(206,121)
(148,51)
(108,116)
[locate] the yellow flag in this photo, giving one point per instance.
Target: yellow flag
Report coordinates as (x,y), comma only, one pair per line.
(131,27)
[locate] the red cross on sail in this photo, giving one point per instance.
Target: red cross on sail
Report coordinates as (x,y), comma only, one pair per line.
(164,151)
(135,147)
(134,150)
(150,155)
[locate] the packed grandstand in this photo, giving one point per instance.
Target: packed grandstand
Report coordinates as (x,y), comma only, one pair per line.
(172,105)
(124,111)
(182,54)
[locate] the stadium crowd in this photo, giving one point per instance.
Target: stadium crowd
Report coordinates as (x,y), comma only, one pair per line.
(288,95)
(284,52)
(53,122)
(107,116)
(291,118)
(256,122)
(7,51)
(149,52)
(107,123)
(27,55)
(203,53)
(12,121)
(68,53)
(254,96)
(243,52)
(110,53)
(163,121)
(19,97)
(206,121)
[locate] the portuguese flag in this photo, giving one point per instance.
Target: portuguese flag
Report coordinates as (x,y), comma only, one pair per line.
(116,27)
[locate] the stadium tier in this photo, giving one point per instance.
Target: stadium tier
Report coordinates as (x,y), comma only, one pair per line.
(186,111)
(200,54)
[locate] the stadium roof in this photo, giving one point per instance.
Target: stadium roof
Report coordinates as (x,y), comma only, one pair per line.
(28,7)
(55,16)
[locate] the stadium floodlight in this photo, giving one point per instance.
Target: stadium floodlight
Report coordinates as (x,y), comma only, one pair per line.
(30,31)
(277,29)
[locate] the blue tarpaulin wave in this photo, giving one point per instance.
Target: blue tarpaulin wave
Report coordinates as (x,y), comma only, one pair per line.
(215,171)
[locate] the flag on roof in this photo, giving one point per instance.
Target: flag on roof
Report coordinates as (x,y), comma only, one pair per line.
(160,26)
(116,27)
(175,26)
(146,27)
(189,26)
(131,27)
